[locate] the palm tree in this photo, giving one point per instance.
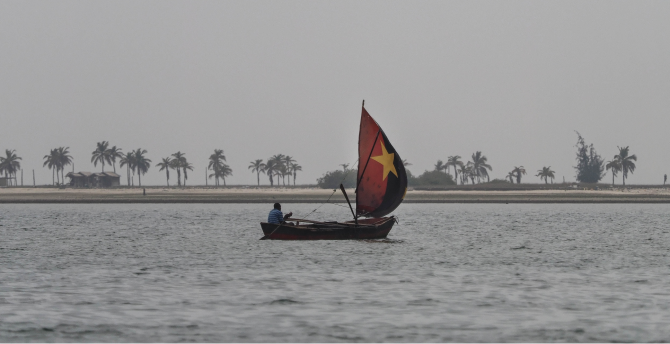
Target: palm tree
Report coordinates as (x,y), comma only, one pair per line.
(114,153)
(406,163)
(9,164)
(287,161)
(215,163)
(545,173)
(259,167)
(221,171)
(511,176)
(128,160)
(177,162)
(456,162)
(225,172)
(101,155)
(64,159)
(518,171)
(217,173)
(270,167)
(615,166)
(295,168)
(186,166)
(470,172)
(283,171)
(480,166)
(142,164)
(626,161)
(439,166)
(51,161)
(165,165)
(279,162)
(464,171)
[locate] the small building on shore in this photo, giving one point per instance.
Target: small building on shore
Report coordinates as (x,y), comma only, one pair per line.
(94,180)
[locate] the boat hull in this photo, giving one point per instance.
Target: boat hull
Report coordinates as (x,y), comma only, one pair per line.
(377,228)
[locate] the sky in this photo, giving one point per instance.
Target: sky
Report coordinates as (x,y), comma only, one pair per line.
(512,79)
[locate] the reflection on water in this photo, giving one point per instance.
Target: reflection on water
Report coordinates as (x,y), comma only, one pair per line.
(447,272)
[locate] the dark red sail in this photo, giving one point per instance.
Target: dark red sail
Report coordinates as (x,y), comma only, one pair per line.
(382,180)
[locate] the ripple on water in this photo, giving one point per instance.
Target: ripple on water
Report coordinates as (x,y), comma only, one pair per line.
(447,272)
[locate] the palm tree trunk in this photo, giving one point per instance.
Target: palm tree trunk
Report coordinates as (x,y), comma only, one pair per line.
(167,176)
(53,179)
(139,178)
(258,177)
(612,179)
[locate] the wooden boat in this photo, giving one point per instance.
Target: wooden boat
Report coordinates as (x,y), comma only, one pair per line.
(366,229)
(380,188)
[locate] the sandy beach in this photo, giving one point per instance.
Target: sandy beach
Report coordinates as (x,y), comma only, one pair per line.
(314,195)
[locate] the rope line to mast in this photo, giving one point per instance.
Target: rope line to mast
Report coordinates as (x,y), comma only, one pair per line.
(306,217)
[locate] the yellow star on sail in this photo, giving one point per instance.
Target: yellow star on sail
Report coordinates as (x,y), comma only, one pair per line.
(386,159)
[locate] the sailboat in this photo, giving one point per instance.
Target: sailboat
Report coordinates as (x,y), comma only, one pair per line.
(380,188)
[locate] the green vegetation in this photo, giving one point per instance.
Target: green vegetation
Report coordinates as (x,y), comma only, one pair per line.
(258,166)
(517,172)
(480,167)
(56,160)
(179,160)
(430,178)
(545,173)
(498,181)
(615,166)
(332,179)
(142,164)
(128,161)
(589,163)
(101,155)
(219,167)
(455,162)
(281,168)
(165,165)
(9,165)
(625,162)
(278,165)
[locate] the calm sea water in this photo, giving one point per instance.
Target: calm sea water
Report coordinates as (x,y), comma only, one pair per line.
(447,272)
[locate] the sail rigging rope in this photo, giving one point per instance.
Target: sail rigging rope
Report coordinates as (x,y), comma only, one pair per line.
(331,195)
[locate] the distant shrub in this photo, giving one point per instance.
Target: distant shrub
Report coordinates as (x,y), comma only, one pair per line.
(590,165)
(430,178)
(498,181)
(332,179)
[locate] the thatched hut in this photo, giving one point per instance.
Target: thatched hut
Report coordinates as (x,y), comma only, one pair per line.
(89,179)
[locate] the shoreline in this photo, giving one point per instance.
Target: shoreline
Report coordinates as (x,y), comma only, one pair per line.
(229,195)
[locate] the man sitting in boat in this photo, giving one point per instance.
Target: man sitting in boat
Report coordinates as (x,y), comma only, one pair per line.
(276,215)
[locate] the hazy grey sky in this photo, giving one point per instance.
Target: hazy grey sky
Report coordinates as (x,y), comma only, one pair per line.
(512,79)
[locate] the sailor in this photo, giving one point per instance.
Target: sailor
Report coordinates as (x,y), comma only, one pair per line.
(276,215)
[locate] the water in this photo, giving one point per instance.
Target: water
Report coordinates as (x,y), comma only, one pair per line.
(447,272)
